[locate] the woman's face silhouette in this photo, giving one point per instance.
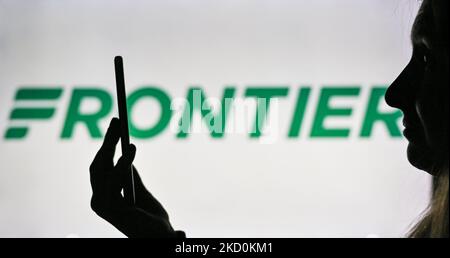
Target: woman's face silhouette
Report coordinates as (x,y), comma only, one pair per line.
(421,90)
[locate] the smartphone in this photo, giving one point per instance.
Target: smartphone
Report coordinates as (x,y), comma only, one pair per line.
(128,189)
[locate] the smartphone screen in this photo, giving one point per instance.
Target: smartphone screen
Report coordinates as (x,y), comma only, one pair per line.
(128,190)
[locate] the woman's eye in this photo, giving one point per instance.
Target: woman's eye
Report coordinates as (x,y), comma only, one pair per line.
(428,61)
(424,56)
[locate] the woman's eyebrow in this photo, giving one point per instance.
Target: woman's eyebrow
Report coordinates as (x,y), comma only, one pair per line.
(421,33)
(421,40)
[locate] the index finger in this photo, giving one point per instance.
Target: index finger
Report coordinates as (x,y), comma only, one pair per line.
(108,148)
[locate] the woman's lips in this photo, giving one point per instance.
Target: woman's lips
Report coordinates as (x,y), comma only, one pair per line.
(410,132)
(413,135)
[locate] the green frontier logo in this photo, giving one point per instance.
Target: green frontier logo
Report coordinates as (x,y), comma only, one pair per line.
(215,119)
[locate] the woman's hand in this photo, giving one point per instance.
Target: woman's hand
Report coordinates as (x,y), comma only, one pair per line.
(145,219)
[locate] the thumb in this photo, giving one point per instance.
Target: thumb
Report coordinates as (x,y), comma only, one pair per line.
(124,163)
(123,166)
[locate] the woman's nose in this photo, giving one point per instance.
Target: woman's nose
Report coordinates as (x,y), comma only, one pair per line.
(392,96)
(399,91)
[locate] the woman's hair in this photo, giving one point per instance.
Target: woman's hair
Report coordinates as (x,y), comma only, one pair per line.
(435,221)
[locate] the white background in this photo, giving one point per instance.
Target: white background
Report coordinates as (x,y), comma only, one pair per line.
(234,187)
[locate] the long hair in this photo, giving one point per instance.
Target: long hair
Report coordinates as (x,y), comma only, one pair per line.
(435,221)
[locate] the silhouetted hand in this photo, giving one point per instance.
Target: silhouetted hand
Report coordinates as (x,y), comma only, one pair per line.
(145,219)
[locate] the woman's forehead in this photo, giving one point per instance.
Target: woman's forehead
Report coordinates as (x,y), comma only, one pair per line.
(431,23)
(440,15)
(423,25)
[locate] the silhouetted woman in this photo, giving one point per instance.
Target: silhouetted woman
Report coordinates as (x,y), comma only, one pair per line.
(421,92)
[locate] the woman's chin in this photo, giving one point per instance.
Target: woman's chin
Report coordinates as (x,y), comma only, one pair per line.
(420,157)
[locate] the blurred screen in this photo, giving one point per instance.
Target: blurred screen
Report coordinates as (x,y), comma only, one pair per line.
(329,160)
